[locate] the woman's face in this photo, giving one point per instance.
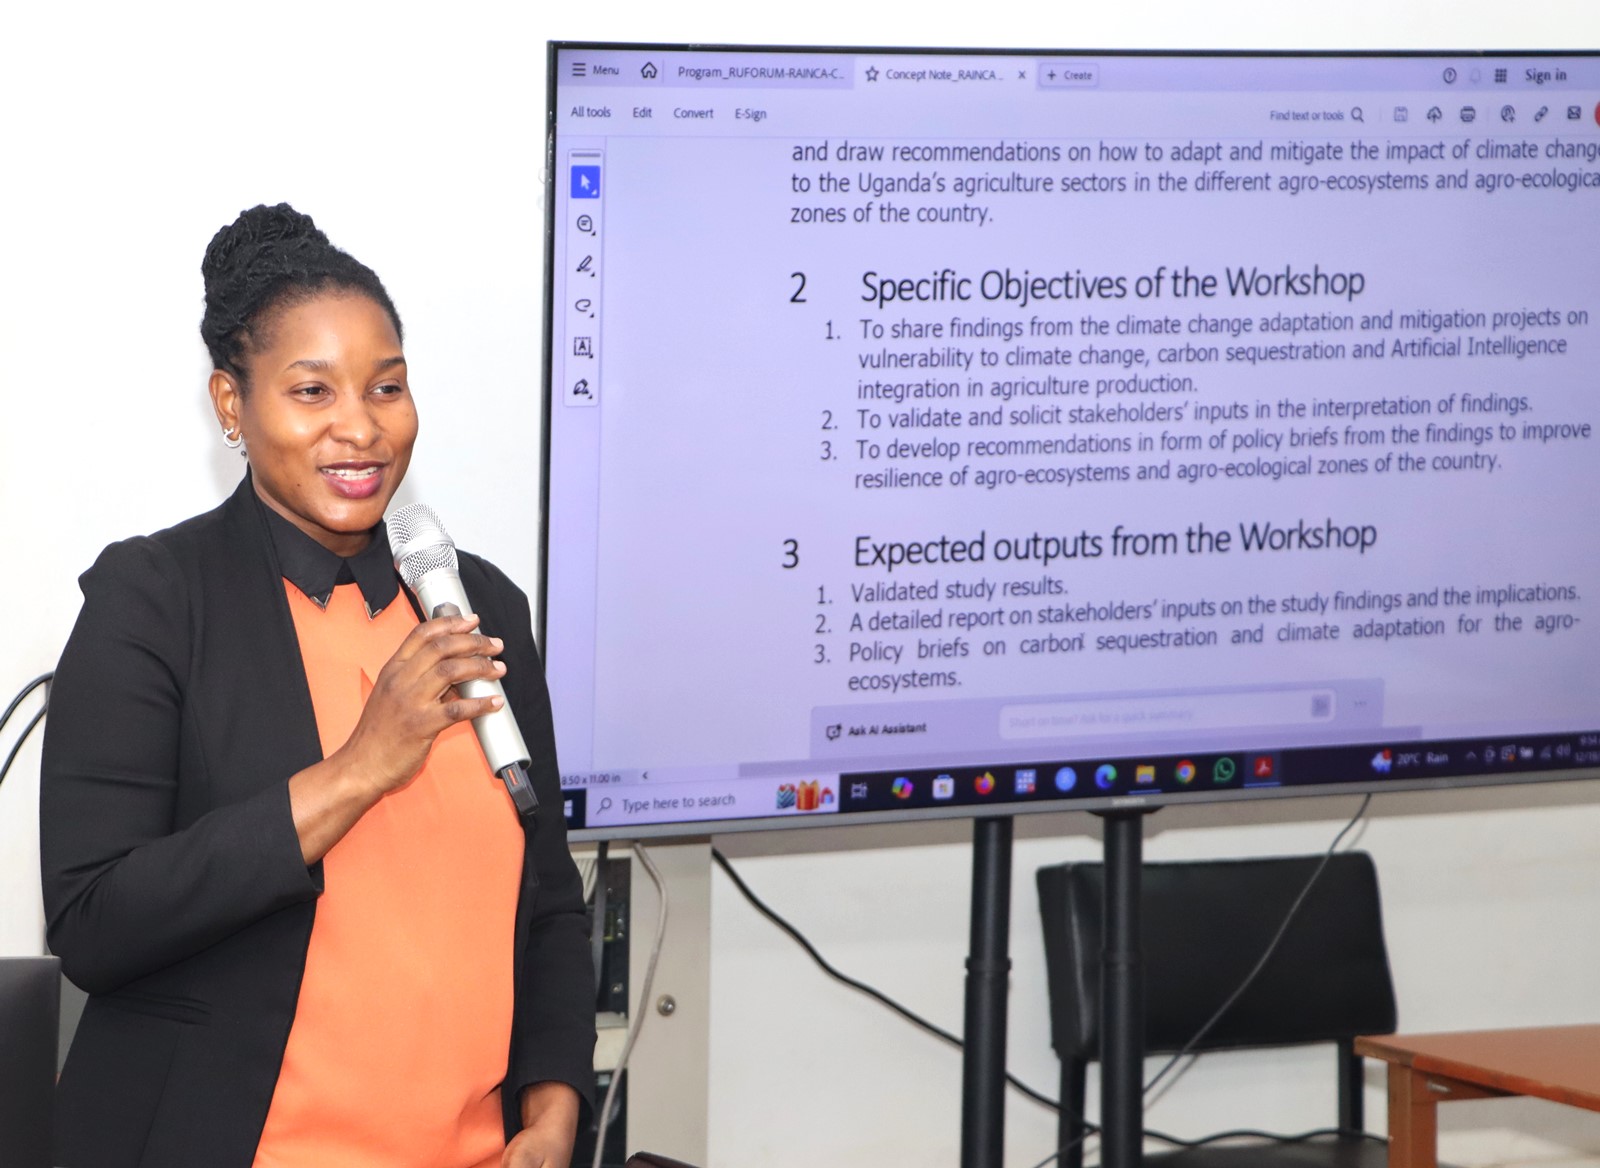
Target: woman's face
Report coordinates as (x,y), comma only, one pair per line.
(328,421)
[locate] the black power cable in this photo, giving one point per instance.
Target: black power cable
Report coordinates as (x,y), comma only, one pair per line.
(1245,1133)
(860,986)
(1039,1097)
(42,680)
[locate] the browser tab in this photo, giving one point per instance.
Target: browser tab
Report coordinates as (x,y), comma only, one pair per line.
(1068,74)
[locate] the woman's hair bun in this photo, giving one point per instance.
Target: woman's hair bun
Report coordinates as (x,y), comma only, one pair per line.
(267,258)
(260,240)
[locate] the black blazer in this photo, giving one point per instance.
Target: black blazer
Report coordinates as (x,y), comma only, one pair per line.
(174,889)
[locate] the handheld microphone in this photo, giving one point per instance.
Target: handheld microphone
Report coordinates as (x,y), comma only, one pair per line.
(425,557)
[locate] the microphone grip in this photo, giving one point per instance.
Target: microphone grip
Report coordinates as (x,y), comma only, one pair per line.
(441,594)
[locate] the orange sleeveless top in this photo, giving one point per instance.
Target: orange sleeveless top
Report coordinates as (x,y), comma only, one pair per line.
(403,1028)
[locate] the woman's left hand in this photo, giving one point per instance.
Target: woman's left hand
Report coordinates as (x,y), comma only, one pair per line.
(533,1148)
(549,1125)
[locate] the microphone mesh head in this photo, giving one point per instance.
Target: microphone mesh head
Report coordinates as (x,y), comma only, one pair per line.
(420,543)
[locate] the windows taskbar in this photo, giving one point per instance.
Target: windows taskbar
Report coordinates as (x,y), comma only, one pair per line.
(1066,781)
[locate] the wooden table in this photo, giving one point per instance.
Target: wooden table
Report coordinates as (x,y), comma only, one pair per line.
(1560,1063)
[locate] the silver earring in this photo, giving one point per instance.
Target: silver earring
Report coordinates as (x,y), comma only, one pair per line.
(231,439)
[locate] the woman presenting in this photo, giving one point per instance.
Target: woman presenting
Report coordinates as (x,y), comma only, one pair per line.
(314,931)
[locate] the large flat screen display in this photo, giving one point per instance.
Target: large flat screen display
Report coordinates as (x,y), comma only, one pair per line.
(940,433)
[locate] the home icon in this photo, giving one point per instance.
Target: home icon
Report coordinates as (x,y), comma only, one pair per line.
(648,72)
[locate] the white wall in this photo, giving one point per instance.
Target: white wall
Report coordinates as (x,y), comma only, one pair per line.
(129,133)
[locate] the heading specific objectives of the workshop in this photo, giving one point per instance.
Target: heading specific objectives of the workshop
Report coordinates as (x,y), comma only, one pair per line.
(1181,283)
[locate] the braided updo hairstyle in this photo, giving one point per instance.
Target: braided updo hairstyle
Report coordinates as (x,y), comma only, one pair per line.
(266,260)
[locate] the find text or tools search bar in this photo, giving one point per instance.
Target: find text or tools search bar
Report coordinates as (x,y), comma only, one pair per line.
(1097,716)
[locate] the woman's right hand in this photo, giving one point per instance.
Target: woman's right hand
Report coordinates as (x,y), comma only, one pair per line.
(414,699)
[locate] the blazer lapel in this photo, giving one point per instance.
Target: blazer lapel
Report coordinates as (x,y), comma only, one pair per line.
(258,719)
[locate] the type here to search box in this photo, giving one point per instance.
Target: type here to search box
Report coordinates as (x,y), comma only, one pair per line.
(1220,711)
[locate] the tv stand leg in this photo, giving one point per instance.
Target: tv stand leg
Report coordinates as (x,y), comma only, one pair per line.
(1122,995)
(983,1063)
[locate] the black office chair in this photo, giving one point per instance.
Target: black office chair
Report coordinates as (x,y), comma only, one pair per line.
(1204,926)
(30,989)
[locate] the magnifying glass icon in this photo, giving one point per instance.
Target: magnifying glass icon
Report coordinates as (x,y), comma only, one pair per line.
(605,805)
(1357,114)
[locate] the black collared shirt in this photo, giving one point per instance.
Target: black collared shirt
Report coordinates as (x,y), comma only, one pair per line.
(316,571)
